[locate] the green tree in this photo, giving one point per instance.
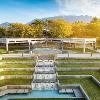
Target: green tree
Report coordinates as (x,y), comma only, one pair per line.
(79,30)
(39,26)
(2,32)
(95,19)
(94,28)
(59,28)
(21,30)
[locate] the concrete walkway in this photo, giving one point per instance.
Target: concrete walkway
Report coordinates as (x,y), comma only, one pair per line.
(70,55)
(20,55)
(79,55)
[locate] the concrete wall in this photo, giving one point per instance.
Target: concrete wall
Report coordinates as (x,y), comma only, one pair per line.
(77,69)
(75,86)
(16,69)
(15,89)
(16,76)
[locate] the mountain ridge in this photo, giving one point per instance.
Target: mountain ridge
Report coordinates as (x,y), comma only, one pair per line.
(5,24)
(69,18)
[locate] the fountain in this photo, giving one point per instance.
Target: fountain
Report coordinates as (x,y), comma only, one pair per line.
(44,77)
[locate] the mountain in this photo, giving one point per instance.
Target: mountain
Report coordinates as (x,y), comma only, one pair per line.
(69,18)
(6,24)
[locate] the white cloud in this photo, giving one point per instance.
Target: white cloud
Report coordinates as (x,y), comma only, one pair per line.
(79,7)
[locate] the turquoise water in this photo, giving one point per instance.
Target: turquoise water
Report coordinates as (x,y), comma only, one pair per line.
(38,94)
(46,51)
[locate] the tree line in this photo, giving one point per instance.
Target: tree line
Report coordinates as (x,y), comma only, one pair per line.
(56,28)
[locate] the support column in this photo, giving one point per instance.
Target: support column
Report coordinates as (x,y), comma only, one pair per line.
(62,45)
(94,46)
(7,46)
(74,45)
(46,42)
(84,46)
(29,45)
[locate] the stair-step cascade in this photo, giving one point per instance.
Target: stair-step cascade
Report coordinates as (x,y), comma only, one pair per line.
(44,77)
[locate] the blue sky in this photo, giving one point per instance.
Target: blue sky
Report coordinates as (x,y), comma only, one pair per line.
(26,10)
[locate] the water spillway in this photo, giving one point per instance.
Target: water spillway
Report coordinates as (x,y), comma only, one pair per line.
(44,77)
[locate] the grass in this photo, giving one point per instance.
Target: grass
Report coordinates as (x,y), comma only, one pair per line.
(98,47)
(3,51)
(77,60)
(71,65)
(15,49)
(78,65)
(16,73)
(48,99)
(94,73)
(17,60)
(88,85)
(14,81)
(92,90)
(16,66)
(49,44)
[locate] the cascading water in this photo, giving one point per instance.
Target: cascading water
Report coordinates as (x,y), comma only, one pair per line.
(44,75)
